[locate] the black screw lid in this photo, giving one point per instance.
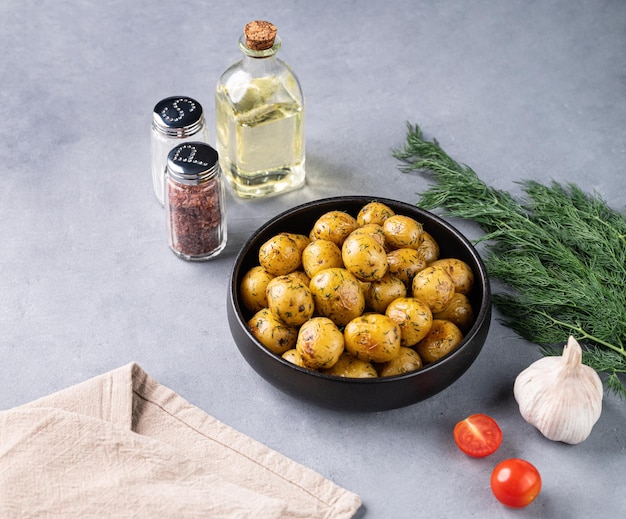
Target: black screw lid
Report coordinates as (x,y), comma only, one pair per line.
(178,116)
(192,162)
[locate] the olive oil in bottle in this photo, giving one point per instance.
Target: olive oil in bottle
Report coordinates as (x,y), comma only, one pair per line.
(259,110)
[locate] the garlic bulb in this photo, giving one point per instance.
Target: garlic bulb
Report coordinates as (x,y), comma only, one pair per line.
(560,396)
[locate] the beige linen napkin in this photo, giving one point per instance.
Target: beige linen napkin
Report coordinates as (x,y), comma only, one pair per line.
(122,445)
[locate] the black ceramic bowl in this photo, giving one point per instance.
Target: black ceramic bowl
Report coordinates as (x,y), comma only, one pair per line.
(372,394)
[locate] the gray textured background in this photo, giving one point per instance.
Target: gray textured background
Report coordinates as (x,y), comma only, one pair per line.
(516,89)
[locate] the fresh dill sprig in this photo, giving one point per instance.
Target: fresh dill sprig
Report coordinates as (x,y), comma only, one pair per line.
(559,252)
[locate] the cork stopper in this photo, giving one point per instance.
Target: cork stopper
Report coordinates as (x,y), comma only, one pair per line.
(260,35)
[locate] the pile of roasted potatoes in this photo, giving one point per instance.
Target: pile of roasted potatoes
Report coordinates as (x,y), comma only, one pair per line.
(365,296)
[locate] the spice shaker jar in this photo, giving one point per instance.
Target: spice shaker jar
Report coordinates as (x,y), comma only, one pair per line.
(195,202)
(259,116)
(174,120)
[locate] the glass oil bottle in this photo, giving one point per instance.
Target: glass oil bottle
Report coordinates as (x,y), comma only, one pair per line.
(260,118)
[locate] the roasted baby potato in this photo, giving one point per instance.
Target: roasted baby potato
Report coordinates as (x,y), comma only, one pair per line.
(442,338)
(429,248)
(406,361)
(434,287)
(404,263)
(459,311)
(338,295)
(280,255)
(372,337)
(294,357)
(290,300)
(364,257)
(414,318)
(351,367)
(334,226)
(403,231)
(372,229)
(275,335)
(365,285)
(299,275)
(252,289)
(373,212)
(301,240)
(382,292)
(460,272)
(319,343)
(319,255)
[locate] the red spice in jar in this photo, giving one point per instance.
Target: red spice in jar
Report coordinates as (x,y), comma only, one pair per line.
(195,202)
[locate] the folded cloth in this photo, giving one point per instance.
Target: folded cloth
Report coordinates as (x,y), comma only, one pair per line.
(122,445)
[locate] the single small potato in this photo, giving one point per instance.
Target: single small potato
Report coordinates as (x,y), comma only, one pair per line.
(319,255)
(334,226)
(365,285)
(403,231)
(429,248)
(374,212)
(442,338)
(434,287)
(350,367)
(406,361)
(414,318)
(275,335)
(372,229)
(294,357)
(290,300)
(364,257)
(372,337)
(338,295)
(404,263)
(300,276)
(319,343)
(252,288)
(383,291)
(301,239)
(460,272)
(459,311)
(280,255)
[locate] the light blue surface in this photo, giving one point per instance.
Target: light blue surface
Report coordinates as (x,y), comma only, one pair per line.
(515,89)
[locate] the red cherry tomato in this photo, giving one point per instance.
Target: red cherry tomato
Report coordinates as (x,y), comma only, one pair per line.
(515,483)
(478,435)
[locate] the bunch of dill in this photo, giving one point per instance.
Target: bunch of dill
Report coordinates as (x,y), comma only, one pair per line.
(560,253)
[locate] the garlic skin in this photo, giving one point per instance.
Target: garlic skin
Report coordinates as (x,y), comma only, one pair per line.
(560,396)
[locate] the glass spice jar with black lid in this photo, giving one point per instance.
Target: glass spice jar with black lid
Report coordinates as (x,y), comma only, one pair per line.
(195,202)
